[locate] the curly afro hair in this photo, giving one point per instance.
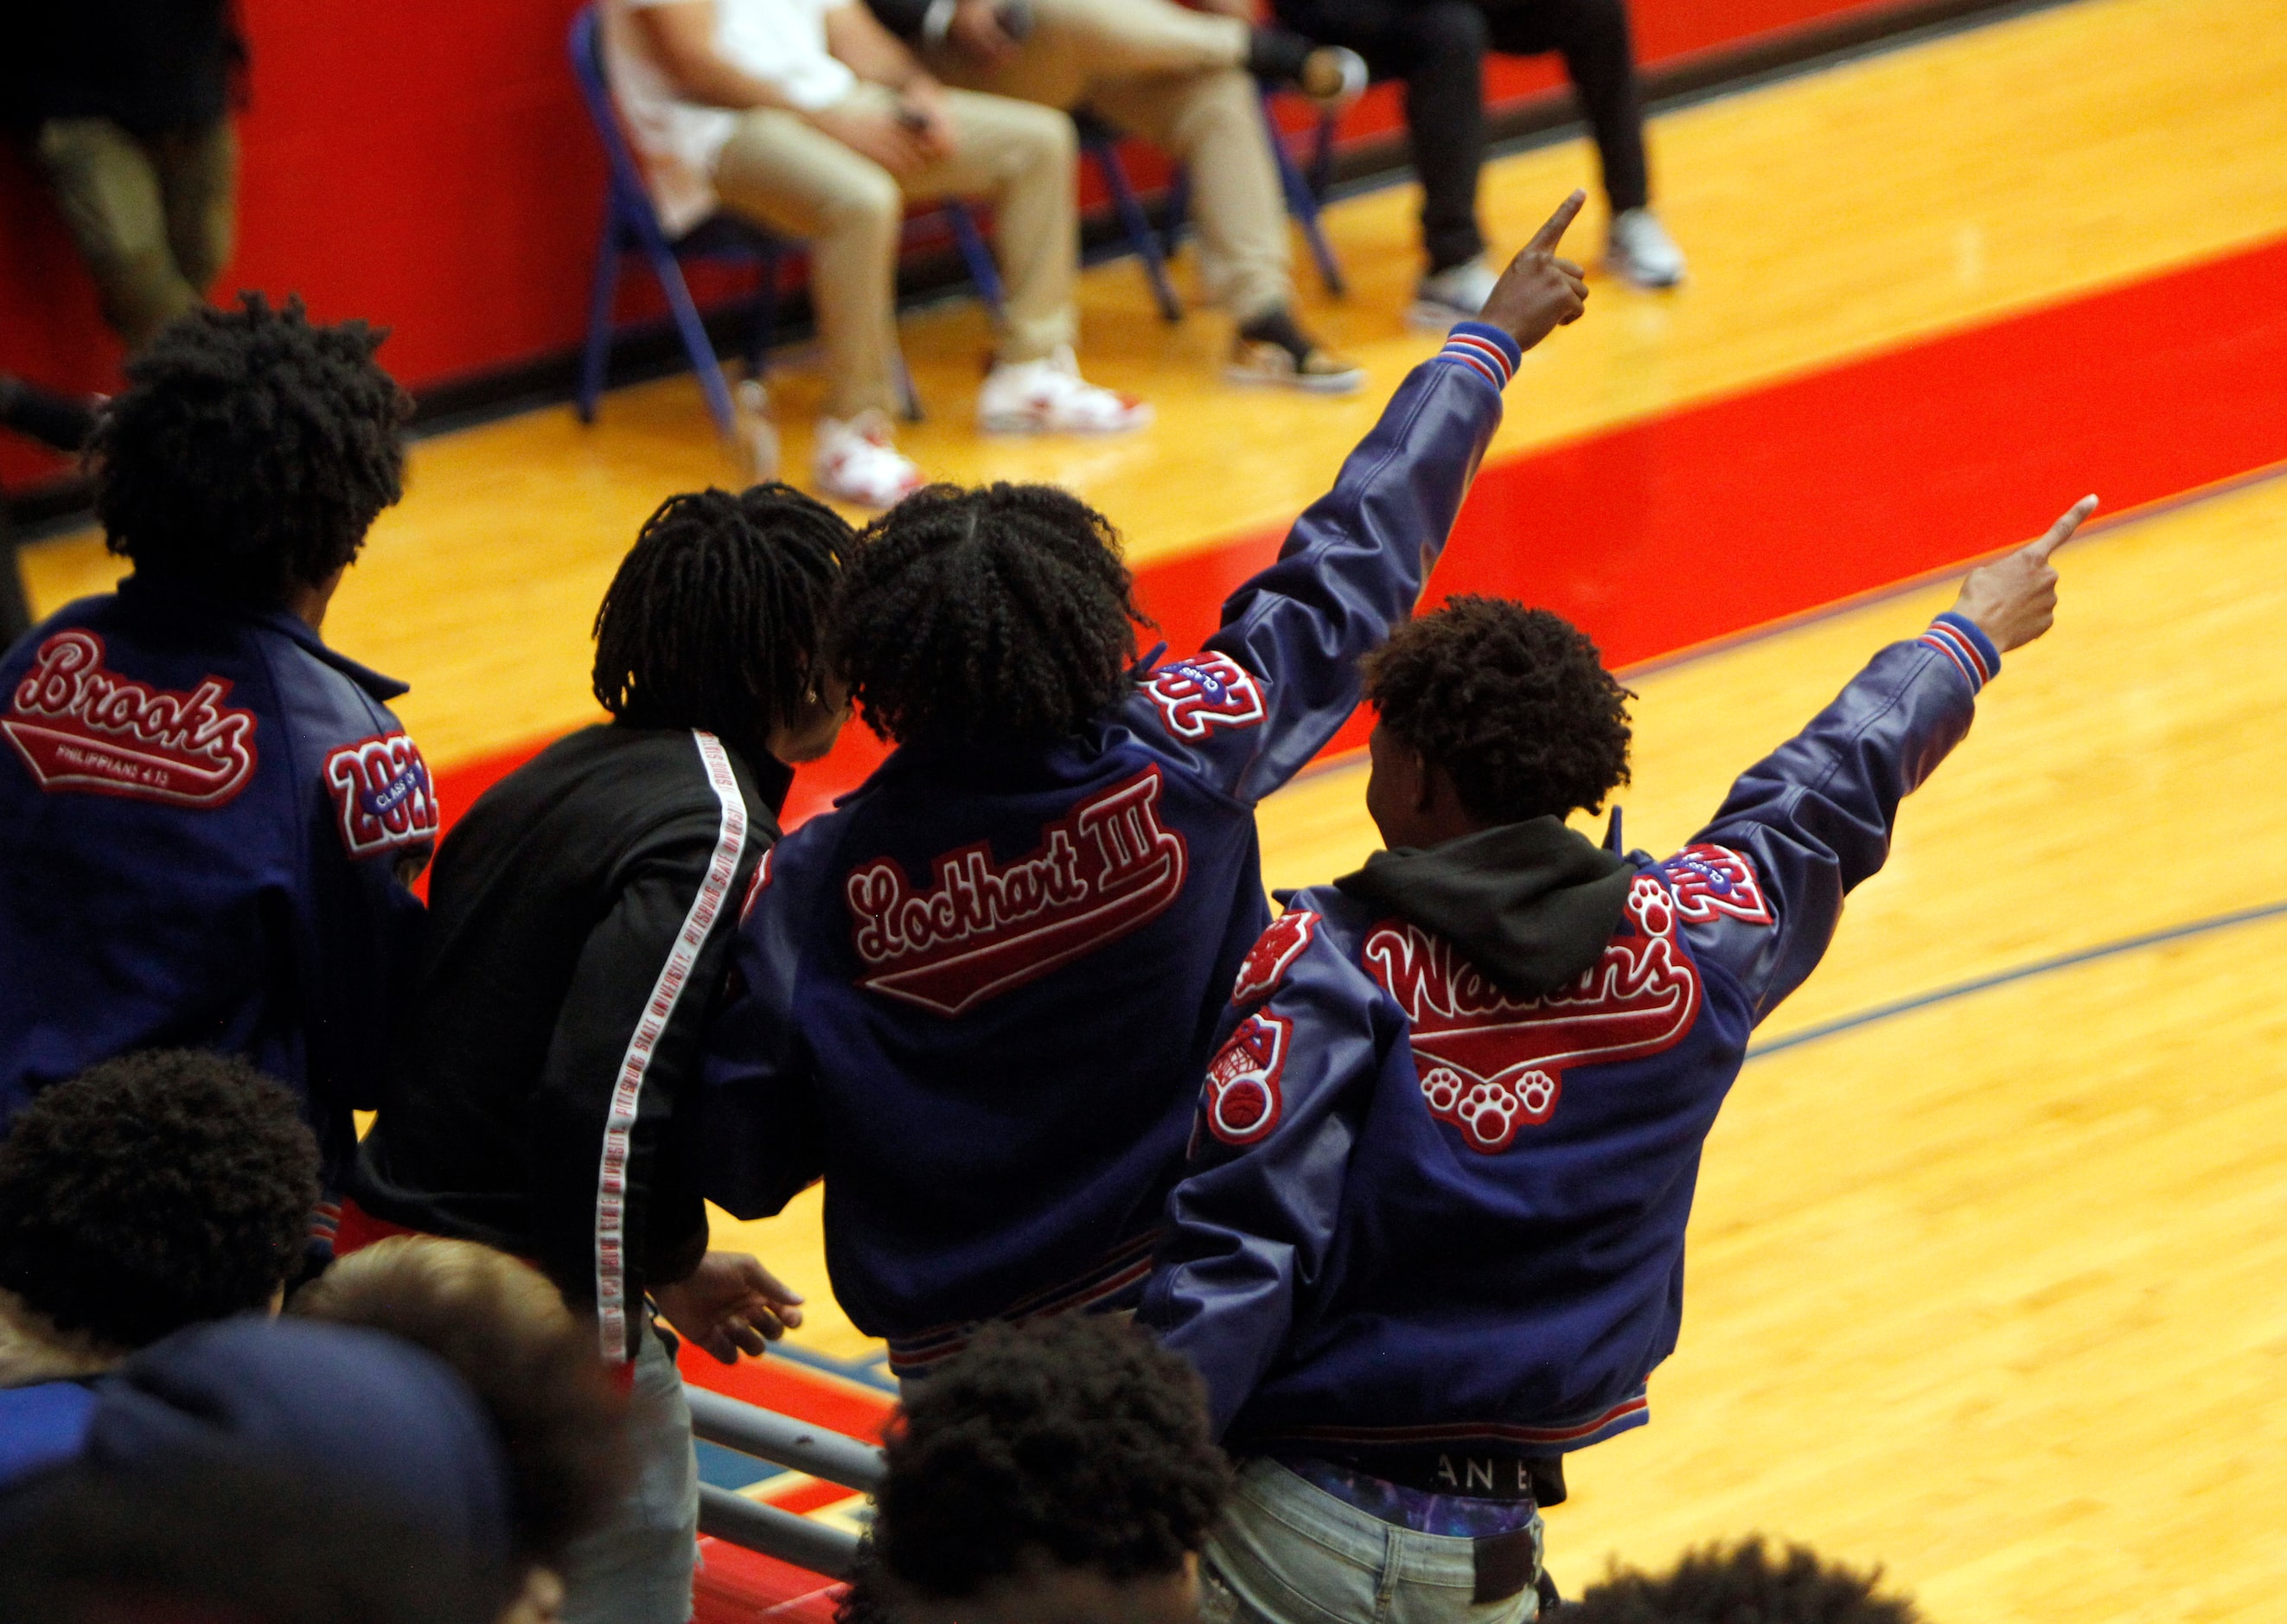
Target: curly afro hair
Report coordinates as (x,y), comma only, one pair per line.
(1077,1438)
(153,1191)
(250,450)
(1512,702)
(506,1333)
(1748,1583)
(1001,615)
(716,616)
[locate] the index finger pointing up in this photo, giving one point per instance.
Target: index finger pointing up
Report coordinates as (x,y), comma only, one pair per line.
(2061,532)
(1552,233)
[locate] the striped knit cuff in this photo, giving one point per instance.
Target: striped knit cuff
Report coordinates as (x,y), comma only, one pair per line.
(1484,349)
(1959,639)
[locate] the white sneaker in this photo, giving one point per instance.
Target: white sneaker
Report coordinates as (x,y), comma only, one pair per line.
(1457,293)
(859,462)
(1641,253)
(1050,397)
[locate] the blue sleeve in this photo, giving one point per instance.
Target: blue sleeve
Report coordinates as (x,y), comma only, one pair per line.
(759,1141)
(1760,888)
(1249,1227)
(375,830)
(1281,674)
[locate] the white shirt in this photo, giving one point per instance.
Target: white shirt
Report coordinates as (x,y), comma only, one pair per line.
(781,42)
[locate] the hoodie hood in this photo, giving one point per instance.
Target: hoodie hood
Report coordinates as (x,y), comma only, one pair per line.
(1531,904)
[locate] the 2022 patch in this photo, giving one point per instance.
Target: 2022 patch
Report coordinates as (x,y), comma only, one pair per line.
(383,798)
(1205,690)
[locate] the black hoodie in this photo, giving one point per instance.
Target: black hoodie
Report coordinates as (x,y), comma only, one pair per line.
(1531,904)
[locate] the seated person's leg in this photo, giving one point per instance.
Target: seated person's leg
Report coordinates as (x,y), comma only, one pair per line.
(1023,156)
(1211,122)
(781,172)
(1068,45)
(108,191)
(198,177)
(1593,36)
(1437,49)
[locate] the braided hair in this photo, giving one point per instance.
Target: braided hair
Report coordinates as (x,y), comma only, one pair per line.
(716,618)
(251,449)
(997,615)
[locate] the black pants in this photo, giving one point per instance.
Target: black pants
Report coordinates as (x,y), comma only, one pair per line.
(1438,47)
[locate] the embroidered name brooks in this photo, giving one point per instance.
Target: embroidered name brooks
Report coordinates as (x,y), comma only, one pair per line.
(1490,1063)
(80,727)
(1104,869)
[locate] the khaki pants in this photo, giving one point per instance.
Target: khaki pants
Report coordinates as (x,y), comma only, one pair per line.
(152,216)
(795,179)
(1174,76)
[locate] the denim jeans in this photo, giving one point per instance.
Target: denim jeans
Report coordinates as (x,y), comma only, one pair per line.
(636,1569)
(1287,1552)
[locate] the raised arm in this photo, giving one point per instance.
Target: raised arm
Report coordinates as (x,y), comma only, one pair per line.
(1281,675)
(1762,886)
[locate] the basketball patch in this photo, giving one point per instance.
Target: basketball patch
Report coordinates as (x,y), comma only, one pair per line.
(1242,1101)
(1205,690)
(1713,882)
(383,798)
(1491,1065)
(1106,868)
(82,728)
(1266,962)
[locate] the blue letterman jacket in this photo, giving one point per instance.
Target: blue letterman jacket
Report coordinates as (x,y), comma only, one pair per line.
(1431,1225)
(976,997)
(209,819)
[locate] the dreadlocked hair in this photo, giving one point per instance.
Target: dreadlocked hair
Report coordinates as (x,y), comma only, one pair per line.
(997,615)
(250,450)
(1513,703)
(717,615)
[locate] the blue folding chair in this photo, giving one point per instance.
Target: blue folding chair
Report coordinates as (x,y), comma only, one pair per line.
(1303,199)
(631,226)
(1101,143)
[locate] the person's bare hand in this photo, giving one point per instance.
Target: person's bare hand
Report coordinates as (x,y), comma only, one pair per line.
(1539,292)
(976,31)
(880,136)
(1244,10)
(730,1305)
(924,111)
(2014,599)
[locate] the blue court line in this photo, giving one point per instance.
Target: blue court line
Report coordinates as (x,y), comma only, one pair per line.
(1962,989)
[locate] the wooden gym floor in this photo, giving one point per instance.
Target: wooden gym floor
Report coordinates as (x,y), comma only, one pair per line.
(1984,1279)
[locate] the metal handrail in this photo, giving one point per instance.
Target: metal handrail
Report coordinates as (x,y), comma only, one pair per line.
(783,1441)
(819,1547)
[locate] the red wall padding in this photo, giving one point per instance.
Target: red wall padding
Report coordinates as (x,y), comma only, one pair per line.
(426,164)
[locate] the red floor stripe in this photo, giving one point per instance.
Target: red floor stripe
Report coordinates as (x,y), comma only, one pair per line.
(1709,521)
(791,1389)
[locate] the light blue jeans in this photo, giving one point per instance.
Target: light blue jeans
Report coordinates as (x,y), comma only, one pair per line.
(636,1569)
(1287,1552)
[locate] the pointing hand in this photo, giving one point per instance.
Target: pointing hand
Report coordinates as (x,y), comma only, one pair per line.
(2014,599)
(1539,292)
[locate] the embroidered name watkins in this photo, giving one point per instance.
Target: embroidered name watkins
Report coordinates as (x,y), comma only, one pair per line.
(1104,869)
(80,727)
(1491,1065)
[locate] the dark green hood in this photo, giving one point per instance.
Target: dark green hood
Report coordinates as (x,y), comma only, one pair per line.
(1531,904)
